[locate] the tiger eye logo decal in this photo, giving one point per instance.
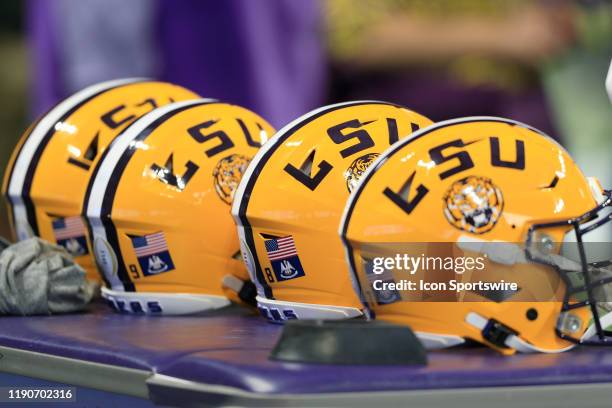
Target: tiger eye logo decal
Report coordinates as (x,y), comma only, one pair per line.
(357,168)
(227,174)
(473,204)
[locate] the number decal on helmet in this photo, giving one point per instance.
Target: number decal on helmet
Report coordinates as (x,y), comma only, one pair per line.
(407,204)
(304,173)
(166,174)
(88,157)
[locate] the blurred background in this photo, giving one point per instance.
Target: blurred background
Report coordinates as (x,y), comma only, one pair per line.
(537,61)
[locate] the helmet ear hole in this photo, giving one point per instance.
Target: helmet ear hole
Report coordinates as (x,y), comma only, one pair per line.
(531,314)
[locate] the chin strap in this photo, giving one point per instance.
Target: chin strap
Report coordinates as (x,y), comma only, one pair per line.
(504,337)
(246,290)
(500,335)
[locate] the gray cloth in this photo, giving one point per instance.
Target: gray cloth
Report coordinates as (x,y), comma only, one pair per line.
(37,277)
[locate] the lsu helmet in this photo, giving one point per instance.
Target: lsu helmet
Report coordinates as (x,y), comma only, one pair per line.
(158,209)
(289,204)
(47,175)
(495,189)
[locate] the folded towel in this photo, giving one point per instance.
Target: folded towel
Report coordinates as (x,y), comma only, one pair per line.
(37,277)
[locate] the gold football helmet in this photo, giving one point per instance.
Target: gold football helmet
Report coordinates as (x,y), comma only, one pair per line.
(47,175)
(289,204)
(491,189)
(158,208)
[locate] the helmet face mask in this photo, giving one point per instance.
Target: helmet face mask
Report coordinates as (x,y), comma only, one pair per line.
(289,204)
(482,187)
(588,281)
(47,176)
(158,208)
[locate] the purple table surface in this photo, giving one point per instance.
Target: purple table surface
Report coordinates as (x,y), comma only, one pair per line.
(233,351)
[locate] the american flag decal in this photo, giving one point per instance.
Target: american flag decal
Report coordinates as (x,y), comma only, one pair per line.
(152,253)
(280,248)
(70,232)
(150,244)
(69,227)
(284,258)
